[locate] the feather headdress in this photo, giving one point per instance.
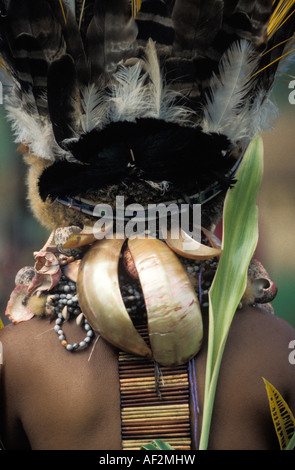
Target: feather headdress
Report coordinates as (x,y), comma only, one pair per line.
(107,92)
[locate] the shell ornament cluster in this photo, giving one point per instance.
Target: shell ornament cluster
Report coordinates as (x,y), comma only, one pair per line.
(107,286)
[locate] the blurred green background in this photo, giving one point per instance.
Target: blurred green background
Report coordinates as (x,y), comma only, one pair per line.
(21,234)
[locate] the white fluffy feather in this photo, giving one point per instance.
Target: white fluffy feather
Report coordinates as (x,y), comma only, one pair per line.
(139,92)
(160,96)
(229,90)
(93,106)
(128,94)
(262,114)
(254,118)
(156,82)
(30,129)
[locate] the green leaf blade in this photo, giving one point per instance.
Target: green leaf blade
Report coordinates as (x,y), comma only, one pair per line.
(157,444)
(282,416)
(291,444)
(240,237)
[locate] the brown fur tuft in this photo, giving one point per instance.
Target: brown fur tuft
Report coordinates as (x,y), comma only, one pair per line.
(37,304)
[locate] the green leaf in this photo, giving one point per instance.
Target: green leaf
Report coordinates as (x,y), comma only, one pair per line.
(157,445)
(149,447)
(240,236)
(291,445)
(162,445)
(281,414)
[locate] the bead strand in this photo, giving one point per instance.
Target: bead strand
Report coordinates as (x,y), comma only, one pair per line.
(62,338)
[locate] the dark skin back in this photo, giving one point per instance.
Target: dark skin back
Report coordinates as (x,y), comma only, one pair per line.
(52,399)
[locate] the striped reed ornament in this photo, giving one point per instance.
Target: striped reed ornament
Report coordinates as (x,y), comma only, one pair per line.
(154,402)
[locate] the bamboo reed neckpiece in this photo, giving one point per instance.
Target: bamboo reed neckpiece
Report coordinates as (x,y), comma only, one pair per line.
(151,407)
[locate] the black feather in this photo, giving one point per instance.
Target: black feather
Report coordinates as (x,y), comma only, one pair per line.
(69,179)
(53,60)
(63,96)
(83,18)
(276,47)
(153,23)
(110,36)
(32,39)
(74,40)
(184,156)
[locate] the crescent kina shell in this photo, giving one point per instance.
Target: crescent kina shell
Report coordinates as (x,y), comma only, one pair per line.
(101,300)
(87,236)
(186,246)
(174,315)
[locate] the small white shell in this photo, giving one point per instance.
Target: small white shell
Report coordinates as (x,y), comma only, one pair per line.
(79,319)
(65,313)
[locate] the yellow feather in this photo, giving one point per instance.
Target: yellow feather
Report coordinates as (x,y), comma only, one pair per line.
(273,62)
(82,12)
(282,12)
(135,7)
(63,11)
(279,44)
(280,15)
(282,416)
(286,75)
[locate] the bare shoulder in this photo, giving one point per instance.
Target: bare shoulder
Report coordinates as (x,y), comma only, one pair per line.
(10,336)
(265,343)
(8,332)
(262,331)
(35,343)
(39,373)
(18,340)
(257,348)
(14,347)
(21,331)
